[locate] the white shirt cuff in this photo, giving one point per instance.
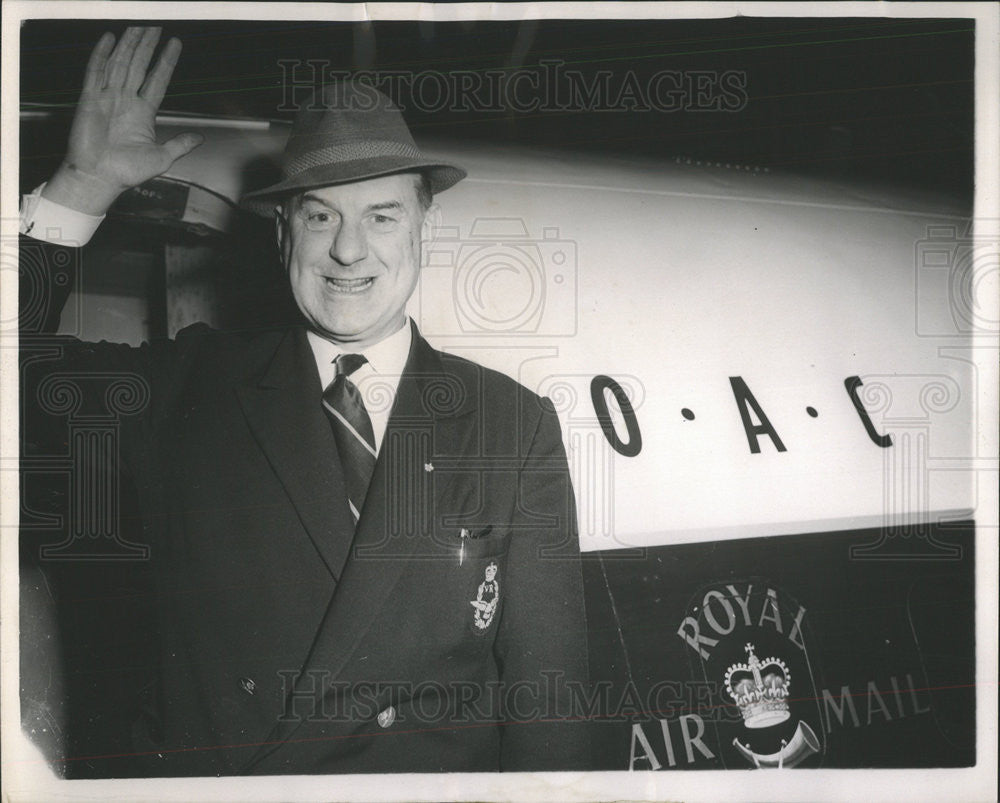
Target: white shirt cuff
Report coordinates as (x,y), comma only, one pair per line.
(54,223)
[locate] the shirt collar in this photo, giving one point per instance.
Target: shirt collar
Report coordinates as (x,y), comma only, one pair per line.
(387,357)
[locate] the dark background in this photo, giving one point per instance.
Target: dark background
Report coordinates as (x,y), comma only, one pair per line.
(889,100)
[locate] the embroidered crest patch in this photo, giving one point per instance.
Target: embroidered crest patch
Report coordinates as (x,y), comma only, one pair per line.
(487,599)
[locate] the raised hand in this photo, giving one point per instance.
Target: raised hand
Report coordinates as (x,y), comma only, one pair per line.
(112,144)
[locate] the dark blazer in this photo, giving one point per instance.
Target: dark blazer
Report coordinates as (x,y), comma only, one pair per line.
(290,644)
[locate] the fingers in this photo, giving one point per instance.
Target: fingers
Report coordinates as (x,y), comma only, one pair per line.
(93,79)
(159,77)
(177,146)
(141,58)
(117,68)
(126,65)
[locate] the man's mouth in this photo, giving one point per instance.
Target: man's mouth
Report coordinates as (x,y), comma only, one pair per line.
(348,286)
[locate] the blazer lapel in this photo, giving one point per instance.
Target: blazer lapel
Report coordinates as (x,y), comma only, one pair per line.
(398,512)
(283,409)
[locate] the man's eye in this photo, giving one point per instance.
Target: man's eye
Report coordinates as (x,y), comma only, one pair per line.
(318,220)
(382,220)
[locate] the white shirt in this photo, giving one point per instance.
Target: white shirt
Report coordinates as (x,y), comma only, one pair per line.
(377,380)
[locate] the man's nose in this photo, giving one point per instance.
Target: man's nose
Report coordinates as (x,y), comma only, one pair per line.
(349,244)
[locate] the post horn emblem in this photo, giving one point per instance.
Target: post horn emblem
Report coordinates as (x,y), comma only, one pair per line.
(760,689)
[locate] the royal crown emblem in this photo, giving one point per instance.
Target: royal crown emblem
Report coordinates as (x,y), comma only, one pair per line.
(760,689)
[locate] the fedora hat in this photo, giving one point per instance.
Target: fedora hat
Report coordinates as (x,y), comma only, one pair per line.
(348,131)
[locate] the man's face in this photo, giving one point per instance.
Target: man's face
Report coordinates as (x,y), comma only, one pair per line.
(352,252)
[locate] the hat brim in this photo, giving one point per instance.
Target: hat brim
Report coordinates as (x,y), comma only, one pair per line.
(262,202)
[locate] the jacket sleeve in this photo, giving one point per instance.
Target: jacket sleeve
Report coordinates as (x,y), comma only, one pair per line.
(542,640)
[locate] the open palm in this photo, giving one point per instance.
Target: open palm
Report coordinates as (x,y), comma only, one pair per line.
(113,140)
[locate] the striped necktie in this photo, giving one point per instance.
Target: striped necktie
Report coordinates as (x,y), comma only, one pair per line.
(352,429)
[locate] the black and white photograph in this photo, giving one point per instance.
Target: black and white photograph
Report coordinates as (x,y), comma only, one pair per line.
(554,401)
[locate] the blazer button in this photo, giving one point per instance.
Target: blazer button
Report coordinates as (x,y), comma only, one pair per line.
(248,685)
(387,717)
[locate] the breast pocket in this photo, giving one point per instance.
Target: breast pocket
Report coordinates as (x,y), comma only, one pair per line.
(484,543)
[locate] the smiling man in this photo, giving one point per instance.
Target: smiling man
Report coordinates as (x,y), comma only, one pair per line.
(329,506)
(353,255)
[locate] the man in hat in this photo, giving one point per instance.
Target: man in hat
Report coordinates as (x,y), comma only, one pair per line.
(314,547)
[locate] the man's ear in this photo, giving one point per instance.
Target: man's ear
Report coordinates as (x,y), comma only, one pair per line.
(280,228)
(431,226)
